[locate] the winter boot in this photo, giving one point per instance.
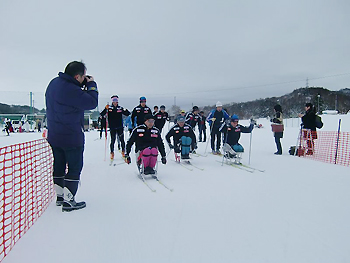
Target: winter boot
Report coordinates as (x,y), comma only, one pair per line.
(59,194)
(185,156)
(69,203)
(112,155)
(148,170)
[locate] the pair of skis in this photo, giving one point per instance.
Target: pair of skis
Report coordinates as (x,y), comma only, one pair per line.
(155,177)
(186,163)
(243,167)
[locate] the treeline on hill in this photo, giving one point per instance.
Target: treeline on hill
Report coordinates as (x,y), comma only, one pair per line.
(18,109)
(292,103)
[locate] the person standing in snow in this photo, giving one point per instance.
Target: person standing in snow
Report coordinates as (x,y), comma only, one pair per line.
(128,124)
(309,126)
(202,127)
(148,142)
(115,123)
(183,137)
(103,124)
(278,119)
(67,96)
(139,112)
(193,118)
(216,118)
(160,118)
(155,110)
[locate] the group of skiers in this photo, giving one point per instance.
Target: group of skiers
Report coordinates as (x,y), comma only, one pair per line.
(73,91)
(146,127)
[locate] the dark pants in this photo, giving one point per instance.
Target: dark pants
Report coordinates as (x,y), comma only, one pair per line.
(204,132)
(120,133)
(278,136)
(215,133)
(101,130)
(67,166)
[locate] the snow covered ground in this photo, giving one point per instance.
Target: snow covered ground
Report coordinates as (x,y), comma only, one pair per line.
(295,211)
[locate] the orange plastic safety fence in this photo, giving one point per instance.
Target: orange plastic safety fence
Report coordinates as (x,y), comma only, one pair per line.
(26,189)
(325,146)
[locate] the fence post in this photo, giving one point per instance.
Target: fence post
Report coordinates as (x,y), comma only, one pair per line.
(336,149)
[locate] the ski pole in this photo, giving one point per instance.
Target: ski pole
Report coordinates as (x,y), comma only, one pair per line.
(250,145)
(211,130)
(223,156)
(298,143)
(106,134)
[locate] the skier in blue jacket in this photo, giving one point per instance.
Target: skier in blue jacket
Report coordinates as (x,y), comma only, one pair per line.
(67,96)
(216,118)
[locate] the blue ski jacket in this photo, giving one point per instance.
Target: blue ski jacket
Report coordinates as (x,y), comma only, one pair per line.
(220,117)
(66,101)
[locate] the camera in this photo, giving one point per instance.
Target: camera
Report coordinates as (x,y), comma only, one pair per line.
(85,80)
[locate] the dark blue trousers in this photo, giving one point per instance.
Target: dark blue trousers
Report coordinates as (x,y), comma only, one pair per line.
(67,166)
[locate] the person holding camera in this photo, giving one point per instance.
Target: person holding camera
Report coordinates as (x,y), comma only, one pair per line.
(67,97)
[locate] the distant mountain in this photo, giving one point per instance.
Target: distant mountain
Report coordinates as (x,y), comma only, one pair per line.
(17,109)
(292,103)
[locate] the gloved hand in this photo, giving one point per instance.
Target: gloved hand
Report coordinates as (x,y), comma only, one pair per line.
(127,159)
(107,106)
(163,160)
(213,119)
(171,146)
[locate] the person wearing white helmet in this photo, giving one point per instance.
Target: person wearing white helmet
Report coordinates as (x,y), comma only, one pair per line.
(216,118)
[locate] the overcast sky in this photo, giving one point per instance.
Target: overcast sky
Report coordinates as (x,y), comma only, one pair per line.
(197,50)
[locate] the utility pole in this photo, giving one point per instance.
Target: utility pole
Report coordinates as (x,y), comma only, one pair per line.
(336,101)
(31,102)
(175,100)
(307,83)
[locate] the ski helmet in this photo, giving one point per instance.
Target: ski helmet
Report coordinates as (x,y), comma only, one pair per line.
(218,104)
(234,117)
(181,119)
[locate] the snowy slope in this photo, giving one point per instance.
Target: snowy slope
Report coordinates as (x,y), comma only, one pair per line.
(295,211)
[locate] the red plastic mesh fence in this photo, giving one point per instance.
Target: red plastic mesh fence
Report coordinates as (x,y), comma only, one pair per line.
(26,189)
(325,146)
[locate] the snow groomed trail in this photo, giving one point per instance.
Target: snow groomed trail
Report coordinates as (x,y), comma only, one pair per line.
(297,210)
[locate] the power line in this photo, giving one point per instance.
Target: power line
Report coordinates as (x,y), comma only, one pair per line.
(254,86)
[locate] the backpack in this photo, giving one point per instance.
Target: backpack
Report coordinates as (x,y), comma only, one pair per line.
(318,122)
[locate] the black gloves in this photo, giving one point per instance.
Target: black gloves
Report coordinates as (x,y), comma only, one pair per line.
(163,160)
(127,159)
